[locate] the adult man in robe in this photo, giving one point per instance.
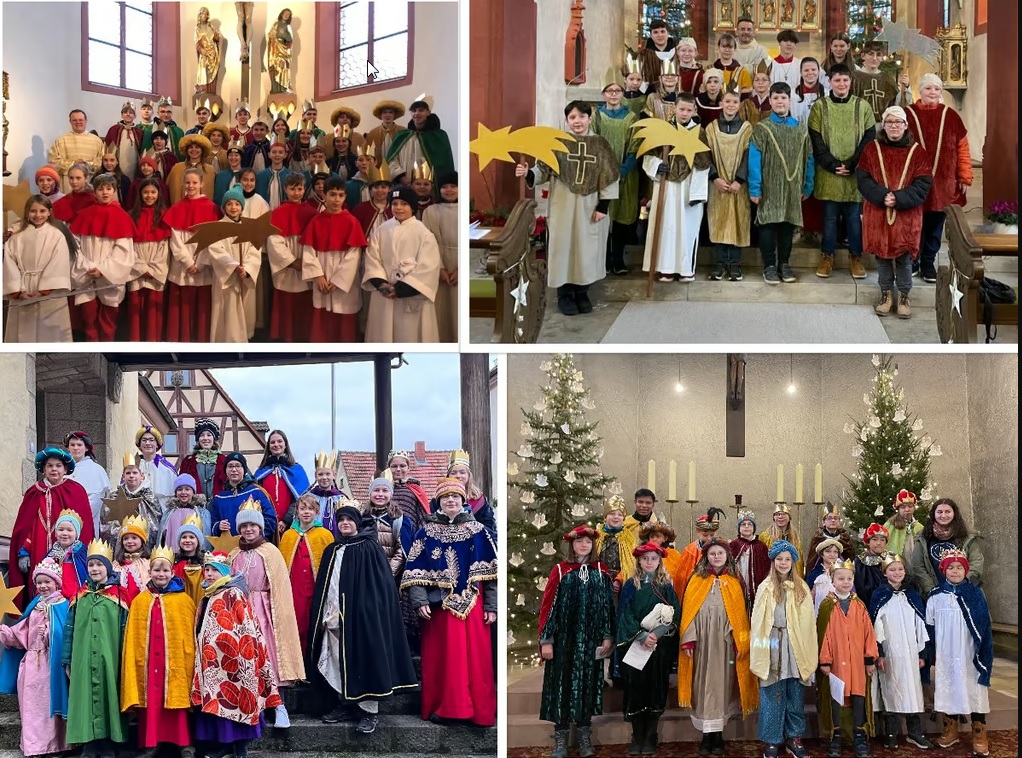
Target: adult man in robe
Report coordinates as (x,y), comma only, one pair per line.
(402,274)
(77,145)
(645,500)
(124,139)
(309,114)
(659,46)
(32,535)
(223,510)
(165,122)
(88,473)
(749,52)
(422,140)
(382,136)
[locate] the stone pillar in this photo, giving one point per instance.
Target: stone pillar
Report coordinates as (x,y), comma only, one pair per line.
(475,416)
(19,445)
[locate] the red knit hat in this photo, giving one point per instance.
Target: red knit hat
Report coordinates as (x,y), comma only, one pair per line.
(582,530)
(649,547)
(150,162)
(876,530)
(954,555)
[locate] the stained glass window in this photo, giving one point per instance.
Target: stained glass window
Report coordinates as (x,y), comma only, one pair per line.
(376,32)
(120,44)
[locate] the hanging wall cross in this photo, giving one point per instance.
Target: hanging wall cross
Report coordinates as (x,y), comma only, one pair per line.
(582,160)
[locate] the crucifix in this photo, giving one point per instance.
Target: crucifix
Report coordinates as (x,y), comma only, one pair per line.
(582,160)
(734,411)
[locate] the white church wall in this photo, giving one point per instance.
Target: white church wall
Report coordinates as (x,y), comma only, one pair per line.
(42,55)
(18,445)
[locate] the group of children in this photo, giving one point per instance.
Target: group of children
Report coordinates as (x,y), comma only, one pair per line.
(835,149)
(119,256)
(198,644)
(747,633)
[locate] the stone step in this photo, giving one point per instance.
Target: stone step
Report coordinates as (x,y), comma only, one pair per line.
(395,735)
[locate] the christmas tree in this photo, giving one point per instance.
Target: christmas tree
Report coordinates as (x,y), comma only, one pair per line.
(677,14)
(557,483)
(891,453)
(865,19)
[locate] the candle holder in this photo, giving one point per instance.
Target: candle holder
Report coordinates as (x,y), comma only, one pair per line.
(691,518)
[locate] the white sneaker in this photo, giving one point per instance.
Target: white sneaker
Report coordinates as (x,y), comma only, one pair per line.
(282,721)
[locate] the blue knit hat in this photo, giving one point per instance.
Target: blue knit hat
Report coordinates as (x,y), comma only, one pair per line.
(234,193)
(69,517)
(190,529)
(381,482)
(184,480)
(783,546)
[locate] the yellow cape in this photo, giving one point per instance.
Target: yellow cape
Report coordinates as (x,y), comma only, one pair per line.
(801,619)
(625,545)
(318,538)
(178,611)
(734,603)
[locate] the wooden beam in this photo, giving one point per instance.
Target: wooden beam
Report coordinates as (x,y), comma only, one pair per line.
(734,407)
(383,396)
(475,416)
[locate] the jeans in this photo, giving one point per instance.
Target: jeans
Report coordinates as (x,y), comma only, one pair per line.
(891,270)
(933,234)
(858,706)
(853,226)
(728,254)
(775,243)
(781,711)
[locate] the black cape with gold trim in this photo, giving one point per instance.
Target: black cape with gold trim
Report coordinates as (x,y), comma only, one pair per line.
(374,656)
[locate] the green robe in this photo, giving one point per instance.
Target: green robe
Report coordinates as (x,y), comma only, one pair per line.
(174,135)
(617,131)
(841,125)
(93,641)
(433,143)
(645,691)
(784,150)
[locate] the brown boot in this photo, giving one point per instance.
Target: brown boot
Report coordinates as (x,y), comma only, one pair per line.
(980,745)
(826,266)
(856,267)
(949,736)
(904,307)
(883,308)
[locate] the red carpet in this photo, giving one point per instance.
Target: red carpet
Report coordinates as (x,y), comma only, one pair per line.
(1002,745)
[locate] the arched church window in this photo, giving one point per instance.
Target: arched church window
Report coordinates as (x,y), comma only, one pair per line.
(353,33)
(121,52)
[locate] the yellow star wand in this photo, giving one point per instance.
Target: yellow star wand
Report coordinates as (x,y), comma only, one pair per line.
(7,595)
(654,133)
(540,142)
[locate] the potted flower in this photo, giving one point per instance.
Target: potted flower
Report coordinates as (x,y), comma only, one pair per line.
(1004,215)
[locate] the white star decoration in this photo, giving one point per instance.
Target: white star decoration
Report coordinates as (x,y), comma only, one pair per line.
(901,37)
(510,638)
(956,294)
(519,292)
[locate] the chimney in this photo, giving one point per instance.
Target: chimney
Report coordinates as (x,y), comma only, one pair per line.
(420,453)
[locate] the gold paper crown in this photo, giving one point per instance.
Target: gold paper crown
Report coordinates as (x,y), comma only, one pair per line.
(204,104)
(631,65)
(422,171)
(193,520)
(829,508)
(890,558)
(309,105)
(129,460)
(319,168)
(251,505)
(237,144)
(326,460)
(128,105)
(135,525)
(669,67)
(614,503)
(763,68)
(368,149)
(843,564)
(67,512)
(162,552)
(146,102)
(458,458)
(165,100)
(100,549)
(782,508)
(379,173)
(342,131)
(278,139)
(242,106)
(308,125)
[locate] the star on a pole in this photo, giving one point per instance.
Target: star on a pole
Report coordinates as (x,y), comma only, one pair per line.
(956,294)
(15,197)
(540,142)
(655,132)
(7,595)
(225,542)
(899,36)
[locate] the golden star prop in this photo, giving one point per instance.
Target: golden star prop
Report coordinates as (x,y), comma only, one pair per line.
(225,542)
(120,506)
(655,132)
(7,595)
(540,142)
(254,230)
(15,197)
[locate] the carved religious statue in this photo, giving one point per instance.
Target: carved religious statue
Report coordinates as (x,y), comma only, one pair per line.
(788,14)
(207,48)
(809,13)
(768,12)
(746,8)
(278,53)
(244,11)
(727,11)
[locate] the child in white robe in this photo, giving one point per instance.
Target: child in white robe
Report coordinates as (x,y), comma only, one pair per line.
(235,272)
(37,264)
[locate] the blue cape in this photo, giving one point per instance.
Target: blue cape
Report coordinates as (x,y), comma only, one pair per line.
(11,659)
(294,476)
(977,618)
(79,557)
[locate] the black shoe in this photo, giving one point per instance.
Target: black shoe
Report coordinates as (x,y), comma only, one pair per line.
(770,751)
(915,268)
(566,300)
(920,741)
(241,751)
(582,301)
(336,716)
(735,272)
(718,743)
(705,746)
(770,275)
(788,274)
(834,746)
(928,272)
(368,724)
(718,273)
(620,269)
(890,741)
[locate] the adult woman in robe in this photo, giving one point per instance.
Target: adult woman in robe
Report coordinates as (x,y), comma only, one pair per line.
(281,476)
(158,473)
(206,462)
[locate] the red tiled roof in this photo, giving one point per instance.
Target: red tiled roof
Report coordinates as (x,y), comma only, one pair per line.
(361,469)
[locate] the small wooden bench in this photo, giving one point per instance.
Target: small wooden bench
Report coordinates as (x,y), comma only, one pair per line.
(967,251)
(510,258)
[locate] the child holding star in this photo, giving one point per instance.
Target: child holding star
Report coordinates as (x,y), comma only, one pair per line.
(235,266)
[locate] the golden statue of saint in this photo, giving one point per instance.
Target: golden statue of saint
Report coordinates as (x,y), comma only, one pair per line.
(207,48)
(278,53)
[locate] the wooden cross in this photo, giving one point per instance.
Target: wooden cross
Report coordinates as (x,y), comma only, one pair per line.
(734,410)
(583,159)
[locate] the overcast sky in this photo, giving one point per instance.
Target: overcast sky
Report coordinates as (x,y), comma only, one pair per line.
(296,399)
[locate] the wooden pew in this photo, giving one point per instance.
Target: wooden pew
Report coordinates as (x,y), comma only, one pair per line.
(510,258)
(967,251)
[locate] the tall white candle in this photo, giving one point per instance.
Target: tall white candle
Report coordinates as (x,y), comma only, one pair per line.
(818,488)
